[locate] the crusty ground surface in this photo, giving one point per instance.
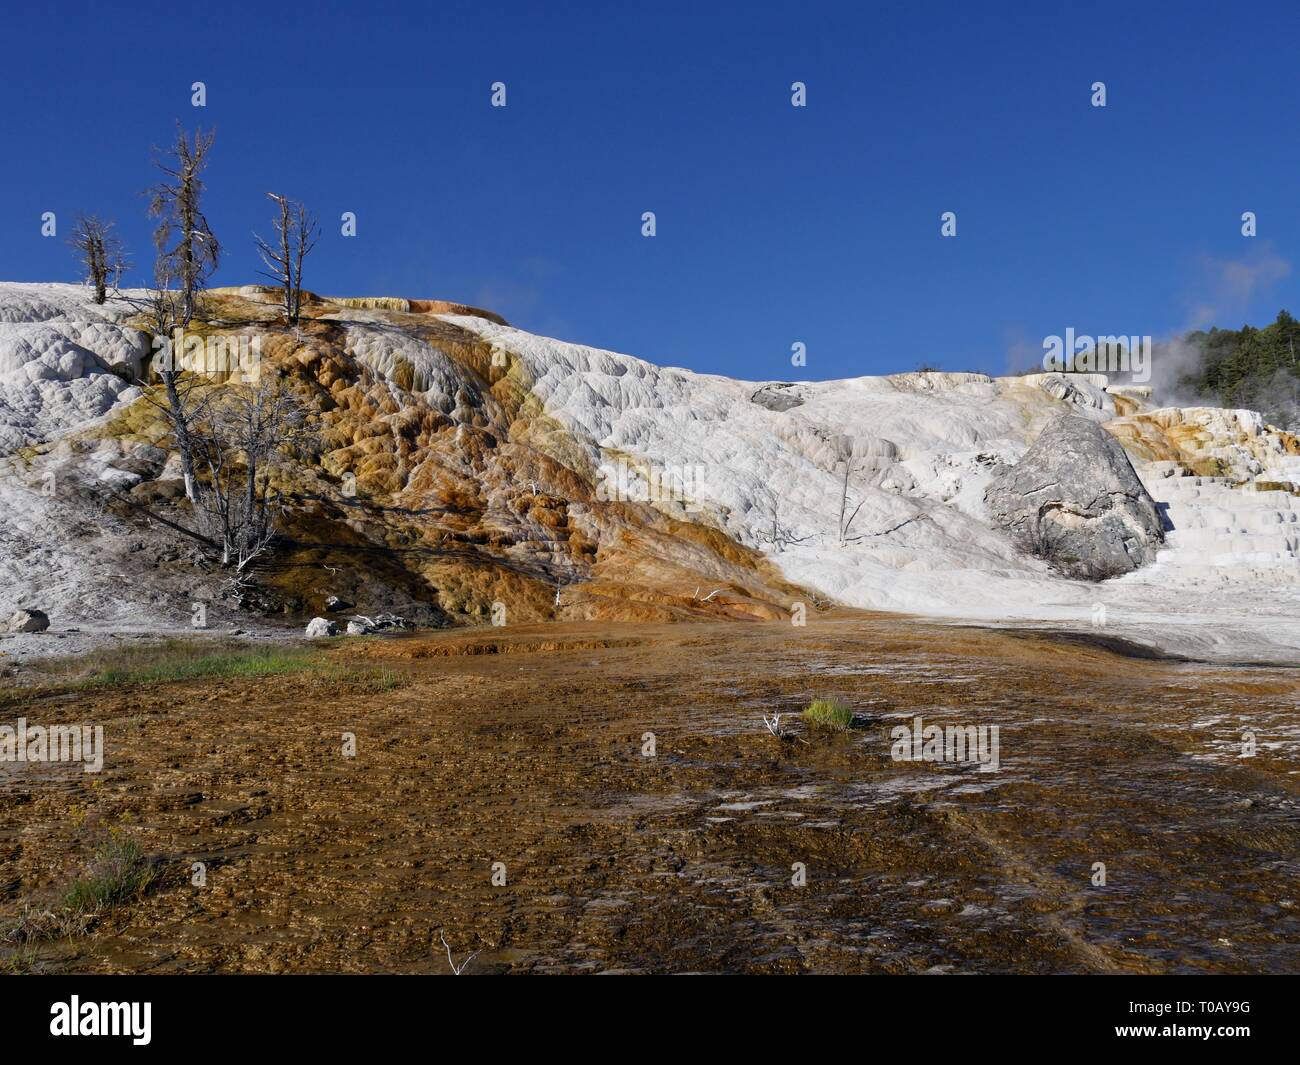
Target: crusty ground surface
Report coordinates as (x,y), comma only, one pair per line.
(524,746)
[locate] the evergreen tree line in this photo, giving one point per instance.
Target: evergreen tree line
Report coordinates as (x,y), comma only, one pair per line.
(1258,369)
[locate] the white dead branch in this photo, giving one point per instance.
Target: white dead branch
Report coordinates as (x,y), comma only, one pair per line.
(456,969)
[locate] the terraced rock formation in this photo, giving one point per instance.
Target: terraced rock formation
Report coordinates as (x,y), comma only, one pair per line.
(468,471)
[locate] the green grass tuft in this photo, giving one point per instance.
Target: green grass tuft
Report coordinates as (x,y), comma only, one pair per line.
(829,714)
(336,676)
(118,873)
(19,961)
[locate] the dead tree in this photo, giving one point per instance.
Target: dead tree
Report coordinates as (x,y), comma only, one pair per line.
(183,391)
(296,233)
(187,254)
(242,435)
(101,254)
(185,242)
(161,307)
(779,535)
(846,451)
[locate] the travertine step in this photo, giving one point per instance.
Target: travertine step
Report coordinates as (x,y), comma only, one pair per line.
(1213,541)
(1217,526)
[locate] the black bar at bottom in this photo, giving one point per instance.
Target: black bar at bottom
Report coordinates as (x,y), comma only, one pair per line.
(334,1013)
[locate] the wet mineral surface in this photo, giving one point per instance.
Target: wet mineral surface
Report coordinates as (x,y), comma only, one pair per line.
(597,798)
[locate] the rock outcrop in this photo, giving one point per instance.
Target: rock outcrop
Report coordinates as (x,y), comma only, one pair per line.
(779,396)
(1075,501)
(361,625)
(27,619)
(466,467)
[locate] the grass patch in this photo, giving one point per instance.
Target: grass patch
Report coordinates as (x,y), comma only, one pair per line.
(249,662)
(19,961)
(168,660)
(334,676)
(830,714)
(38,925)
(118,873)
(187,660)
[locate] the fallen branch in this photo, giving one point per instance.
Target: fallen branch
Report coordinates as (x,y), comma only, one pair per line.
(884,532)
(774,727)
(454,967)
(159,518)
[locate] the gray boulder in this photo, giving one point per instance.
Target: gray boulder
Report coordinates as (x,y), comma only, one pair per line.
(1075,501)
(360,625)
(27,619)
(778,396)
(322,627)
(385,622)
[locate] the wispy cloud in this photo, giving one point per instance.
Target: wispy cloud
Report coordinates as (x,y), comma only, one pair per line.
(1221,296)
(1226,287)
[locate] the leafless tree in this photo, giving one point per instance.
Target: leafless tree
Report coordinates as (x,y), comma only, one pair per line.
(186,245)
(101,254)
(187,254)
(161,306)
(242,434)
(778,535)
(847,453)
(296,233)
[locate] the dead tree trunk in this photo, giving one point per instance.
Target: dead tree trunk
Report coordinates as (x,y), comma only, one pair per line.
(296,234)
(102,257)
(184,240)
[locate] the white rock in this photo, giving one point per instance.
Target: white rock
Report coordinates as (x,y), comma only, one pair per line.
(64,361)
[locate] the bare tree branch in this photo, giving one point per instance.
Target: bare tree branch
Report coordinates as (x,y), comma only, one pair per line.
(102,256)
(296,234)
(188,250)
(457,969)
(242,437)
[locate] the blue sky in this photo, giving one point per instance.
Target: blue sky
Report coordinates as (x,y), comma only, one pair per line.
(775,224)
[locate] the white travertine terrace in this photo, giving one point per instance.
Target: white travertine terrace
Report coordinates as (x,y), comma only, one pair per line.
(922,448)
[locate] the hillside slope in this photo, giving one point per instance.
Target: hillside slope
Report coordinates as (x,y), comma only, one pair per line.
(464,463)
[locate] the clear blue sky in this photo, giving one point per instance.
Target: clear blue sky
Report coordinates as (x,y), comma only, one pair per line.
(775,224)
